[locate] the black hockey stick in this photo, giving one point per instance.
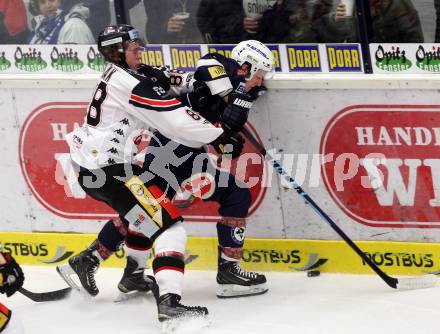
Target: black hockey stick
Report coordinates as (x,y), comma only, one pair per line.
(46,296)
(420,282)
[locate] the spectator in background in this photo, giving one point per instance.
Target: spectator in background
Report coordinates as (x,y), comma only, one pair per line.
(13,22)
(393,21)
(59,22)
(172,21)
(100,15)
(293,21)
(253,11)
(230,21)
(221,21)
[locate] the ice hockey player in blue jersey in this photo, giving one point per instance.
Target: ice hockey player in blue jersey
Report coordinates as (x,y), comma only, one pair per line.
(227,87)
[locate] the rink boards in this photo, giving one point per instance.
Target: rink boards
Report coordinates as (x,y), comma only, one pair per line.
(365,149)
(400,258)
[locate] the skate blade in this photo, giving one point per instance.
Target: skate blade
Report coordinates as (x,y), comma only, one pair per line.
(66,271)
(185,325)
(125,296)
(235,291)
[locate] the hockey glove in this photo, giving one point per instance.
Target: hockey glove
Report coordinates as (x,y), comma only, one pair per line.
(229,143)
(201,97)
(11,275)
(156,75)
(257,91)
(236,112)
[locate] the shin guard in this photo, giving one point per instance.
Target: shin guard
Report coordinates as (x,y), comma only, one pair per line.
(111,237)
(168,264)
(231,235)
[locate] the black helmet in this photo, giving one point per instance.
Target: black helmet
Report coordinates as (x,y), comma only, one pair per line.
(113,40)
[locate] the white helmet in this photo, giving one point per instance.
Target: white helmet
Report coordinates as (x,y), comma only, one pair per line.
(256,54)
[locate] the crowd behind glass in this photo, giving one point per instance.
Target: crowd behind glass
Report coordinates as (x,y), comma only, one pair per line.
(220,21)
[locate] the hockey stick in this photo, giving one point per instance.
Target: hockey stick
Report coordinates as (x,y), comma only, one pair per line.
(421,282)
(46,296)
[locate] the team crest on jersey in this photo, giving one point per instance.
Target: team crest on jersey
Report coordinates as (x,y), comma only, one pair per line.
(238,235)
(240,88)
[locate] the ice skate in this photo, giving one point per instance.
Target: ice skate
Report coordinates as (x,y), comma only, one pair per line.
(84,265)
(134,283)
(173,315)
(234,281)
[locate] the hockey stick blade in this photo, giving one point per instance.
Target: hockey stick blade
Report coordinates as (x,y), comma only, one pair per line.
(406,283)
(46,296)
(418,282)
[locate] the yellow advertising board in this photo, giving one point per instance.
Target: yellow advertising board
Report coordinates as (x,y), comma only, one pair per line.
(397,258)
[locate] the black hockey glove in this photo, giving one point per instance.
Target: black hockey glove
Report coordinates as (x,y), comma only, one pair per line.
(201,97)
(236,112)
(156,75)
(257,91)
(12,276)
(229,143)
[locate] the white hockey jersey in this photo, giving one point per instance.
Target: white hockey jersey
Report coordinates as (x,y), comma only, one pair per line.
(125,103)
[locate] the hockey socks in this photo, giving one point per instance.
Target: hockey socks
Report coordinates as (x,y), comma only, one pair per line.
(231,235)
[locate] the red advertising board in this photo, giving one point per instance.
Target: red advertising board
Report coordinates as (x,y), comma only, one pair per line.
(46,167)
(383,166)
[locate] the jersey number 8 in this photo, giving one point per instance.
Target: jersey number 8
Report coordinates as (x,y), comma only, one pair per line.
(94,112)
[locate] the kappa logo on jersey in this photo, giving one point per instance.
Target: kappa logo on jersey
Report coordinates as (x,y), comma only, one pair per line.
(384,169)
(49,174)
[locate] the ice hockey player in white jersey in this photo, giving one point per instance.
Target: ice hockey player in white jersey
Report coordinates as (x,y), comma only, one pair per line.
(102,149)
(223,93)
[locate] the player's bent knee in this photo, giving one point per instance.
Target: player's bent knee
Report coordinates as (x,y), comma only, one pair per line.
(172,239)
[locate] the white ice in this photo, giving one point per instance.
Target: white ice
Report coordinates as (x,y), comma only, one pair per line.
(295,303)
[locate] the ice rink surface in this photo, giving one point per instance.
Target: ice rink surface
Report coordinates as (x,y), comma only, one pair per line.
(295,303)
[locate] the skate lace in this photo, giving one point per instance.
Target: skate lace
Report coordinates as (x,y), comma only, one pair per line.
(91,275)
(244,273)
(188,308)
